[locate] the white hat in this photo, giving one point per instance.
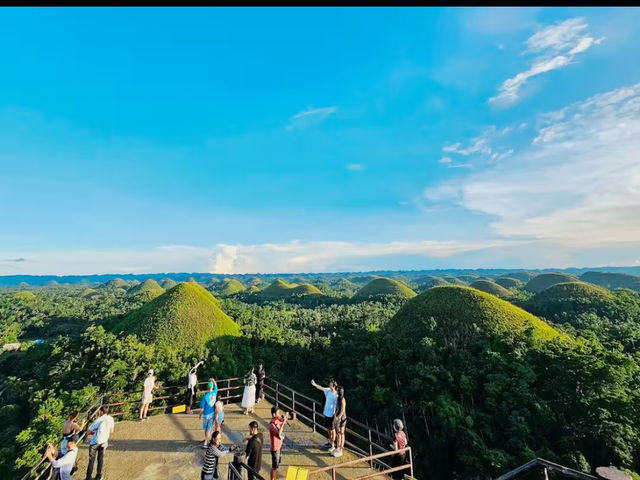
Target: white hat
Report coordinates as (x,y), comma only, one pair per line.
(150,371)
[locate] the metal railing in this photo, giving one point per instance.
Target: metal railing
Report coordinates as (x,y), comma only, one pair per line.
(236,468)
(361,439)
(334,468)
(547,465)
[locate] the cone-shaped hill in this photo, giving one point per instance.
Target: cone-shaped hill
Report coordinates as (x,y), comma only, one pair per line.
(25,296)
(467,278)
(453,280)
(382,287)
(432,282)
(566,300)
(168,284)
(282,289)
(89,293)
(522,276)
(509,282)
(115,283)
(184,316)
(546,280)
(612,280)
(460,314)
(231,286)
(493,288)
(148,289)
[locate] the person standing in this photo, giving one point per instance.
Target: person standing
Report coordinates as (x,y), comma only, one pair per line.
(70,427)
(276,426)
(260,377)
(207,404)
(218,416)
(331,400)
(399,442)
(340,422)
(249,395)
(64,464)
(253,452)
(212,458)
(192,387)
(101,429)
(147,394)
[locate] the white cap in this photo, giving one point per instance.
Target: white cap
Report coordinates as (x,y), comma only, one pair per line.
(150,371)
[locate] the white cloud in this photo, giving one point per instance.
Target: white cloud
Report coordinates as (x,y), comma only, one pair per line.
(309,117)
(555,46)
(577,183)
(445,160)
(355,167)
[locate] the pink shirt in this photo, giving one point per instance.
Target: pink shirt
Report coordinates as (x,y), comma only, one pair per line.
(401,439)
(274,433)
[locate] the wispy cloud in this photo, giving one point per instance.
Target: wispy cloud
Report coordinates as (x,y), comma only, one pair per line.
(445,160)
(309,117)
(480,146)
(17,260)
(576,184)
(555,46)
(355,167)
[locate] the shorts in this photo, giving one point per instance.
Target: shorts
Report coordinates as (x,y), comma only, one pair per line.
(339,423)
(207,422)
(189,398)
(276,458)
(328,423)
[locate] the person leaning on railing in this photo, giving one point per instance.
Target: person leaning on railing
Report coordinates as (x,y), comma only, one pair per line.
(101,429)
(64,465)
(399,442)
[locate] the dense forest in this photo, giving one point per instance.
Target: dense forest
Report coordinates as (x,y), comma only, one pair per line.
(488,369)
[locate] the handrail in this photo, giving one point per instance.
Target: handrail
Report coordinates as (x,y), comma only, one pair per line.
(541,462)
(334,468)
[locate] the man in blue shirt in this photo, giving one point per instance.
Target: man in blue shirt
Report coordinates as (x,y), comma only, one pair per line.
(330,404)
(207,404)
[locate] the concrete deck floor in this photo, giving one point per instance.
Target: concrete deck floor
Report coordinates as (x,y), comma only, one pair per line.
(169,447)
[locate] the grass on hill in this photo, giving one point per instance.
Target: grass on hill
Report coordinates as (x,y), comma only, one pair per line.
(381,287)
(280,288)
(546,280)
(612,280)
(231,286)
(522,276)
(493,288)
(461,313)
(184,316)
(453,280)
(148,289)
(89,293)
(115,283)
(25,297)
(509,282)
(168,283)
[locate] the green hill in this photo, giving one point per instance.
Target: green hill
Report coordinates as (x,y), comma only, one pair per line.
(89,293)
(116,283)
(168,284)
(453,280)
(566,300)
(467,278)
(381,287)
(461,313)
(509,282)
(493,288)
(252,289)
(148,289)
(25,297)
(546,280)
(280,288)
(185,316)
(522,276)
(306,289)
(432,282)
(231,286)
(612,280)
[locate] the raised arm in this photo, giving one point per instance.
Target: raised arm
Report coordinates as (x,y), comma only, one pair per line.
(319,387)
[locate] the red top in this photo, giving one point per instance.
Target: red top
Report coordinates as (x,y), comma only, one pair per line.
(274,433)
(401,439)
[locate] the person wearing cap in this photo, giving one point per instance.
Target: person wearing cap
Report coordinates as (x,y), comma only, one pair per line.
(330,406)
(64,465)
(147,394)
(399,442)
(208,406)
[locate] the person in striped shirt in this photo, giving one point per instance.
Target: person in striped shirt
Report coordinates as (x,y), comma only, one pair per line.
(212,457)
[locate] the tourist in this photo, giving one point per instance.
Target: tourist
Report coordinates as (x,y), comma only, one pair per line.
(340,422)
(147,394)
(331,399)
(212,457)
(207,404)
(218,416)
(70,427)
(101,429)
(276,426)
(253,451)
(260,376)
(192,387)
(65,464)
(249,396)
(399,442)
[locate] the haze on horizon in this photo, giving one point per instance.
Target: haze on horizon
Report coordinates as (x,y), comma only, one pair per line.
(314,140)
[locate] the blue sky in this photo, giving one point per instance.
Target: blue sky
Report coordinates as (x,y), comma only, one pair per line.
(292,140)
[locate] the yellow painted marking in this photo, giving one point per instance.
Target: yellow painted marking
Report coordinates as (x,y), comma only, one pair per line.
(178,409)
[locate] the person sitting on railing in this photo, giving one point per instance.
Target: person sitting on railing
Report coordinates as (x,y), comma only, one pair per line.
(147,394)
(192,387)
(260,376)
(276,427)
(249,395)
(70,427)
(253,451)
(399,442)
(331,399)
(212,458)
(101,429)
(340,422)
(207,404)
(64,465)
(218,416)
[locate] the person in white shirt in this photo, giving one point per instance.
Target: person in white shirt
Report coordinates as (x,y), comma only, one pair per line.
(330,405)
(147,394)
(64,465)
(192,387)
(101,429)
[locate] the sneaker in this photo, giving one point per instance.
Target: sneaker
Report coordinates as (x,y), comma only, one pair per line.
(204,444)
(332,449)
(337,452)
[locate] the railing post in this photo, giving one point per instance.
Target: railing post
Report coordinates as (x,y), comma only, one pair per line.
(293,400)
(411,462)
(277,395)
(314,417)
(333,473)
(228,389)
(370,447)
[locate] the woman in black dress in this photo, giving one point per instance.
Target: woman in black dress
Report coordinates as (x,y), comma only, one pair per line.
(260,376)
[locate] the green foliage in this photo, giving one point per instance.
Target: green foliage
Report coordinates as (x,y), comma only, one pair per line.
(148,290)
(509,282)
(185,315)
(231,286)
(382,287)
(168,284)
(546,280)
(612,280)
(493,288)
(280,289)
